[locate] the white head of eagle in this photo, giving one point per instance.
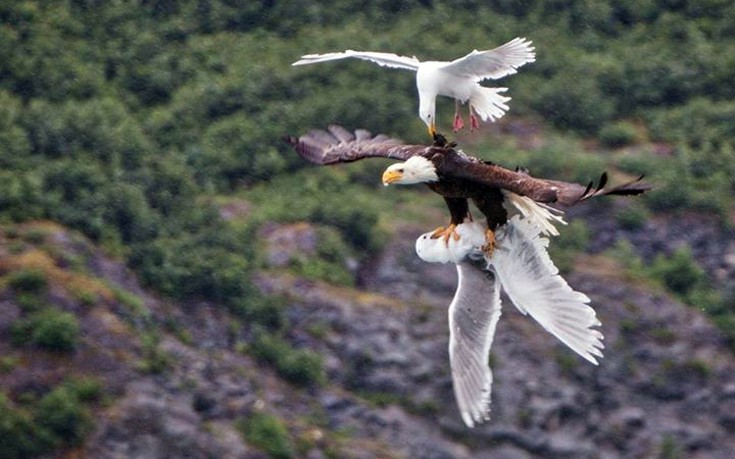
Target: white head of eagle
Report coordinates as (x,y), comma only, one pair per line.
(416,169)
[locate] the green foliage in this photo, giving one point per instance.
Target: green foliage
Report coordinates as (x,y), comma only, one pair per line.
(49,329)
(60,418)
(632,217)
(28,280)
(299,366)
(268,433)
(618,134)
(679,272)
(260,310)
(18,434)
(155,360)
(63,415)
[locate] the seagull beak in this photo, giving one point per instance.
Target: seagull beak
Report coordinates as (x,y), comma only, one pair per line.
(391,177)
(432,130)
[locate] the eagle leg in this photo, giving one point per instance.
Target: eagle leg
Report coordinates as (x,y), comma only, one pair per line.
(489,247)
(458,122)
(446,233)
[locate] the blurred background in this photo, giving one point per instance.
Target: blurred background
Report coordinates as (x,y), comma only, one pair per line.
(176,282)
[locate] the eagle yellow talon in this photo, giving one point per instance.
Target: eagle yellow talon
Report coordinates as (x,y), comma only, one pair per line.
(490,243)
(446,233)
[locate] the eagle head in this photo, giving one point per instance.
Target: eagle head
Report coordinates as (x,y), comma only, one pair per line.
(416,169)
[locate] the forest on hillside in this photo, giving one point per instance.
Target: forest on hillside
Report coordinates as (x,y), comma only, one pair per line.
(135,122)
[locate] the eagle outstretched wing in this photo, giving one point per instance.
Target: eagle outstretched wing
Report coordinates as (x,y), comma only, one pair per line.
(338,145)
(522,183)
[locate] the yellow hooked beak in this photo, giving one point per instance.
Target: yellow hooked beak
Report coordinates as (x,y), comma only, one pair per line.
(432,130)
(391,176)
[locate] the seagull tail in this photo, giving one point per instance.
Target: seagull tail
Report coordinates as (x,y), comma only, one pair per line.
(487,103)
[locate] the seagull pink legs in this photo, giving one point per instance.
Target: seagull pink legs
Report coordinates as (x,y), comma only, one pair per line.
(474,122)
(459,123)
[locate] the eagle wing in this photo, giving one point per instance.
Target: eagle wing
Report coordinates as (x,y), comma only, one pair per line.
(495,63)
(338,145)
(473,315)
(520,182)
(382,59)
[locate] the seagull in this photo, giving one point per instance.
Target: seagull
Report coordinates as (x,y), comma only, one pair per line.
(459,79)
(521,267)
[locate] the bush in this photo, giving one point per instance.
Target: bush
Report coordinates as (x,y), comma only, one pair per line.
(19,436)
(28,280)
(260,310)
(49,329)
(680,273)
(301,366)
(618,134)
(63,415)
(632,217)
(268,433)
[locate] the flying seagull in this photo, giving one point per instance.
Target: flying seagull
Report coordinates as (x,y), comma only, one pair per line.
(458,79)
(457,177)
(522,268)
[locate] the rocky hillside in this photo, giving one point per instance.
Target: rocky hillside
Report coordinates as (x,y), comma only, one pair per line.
(137,376)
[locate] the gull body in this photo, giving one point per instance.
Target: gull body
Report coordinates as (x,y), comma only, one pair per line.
(458,79)
(521,267)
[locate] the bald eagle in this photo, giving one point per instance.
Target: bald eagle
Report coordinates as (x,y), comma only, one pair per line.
(516,206)
(458,79)
(456,176)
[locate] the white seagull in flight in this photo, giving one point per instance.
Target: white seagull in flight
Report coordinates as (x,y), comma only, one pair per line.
(521,267)
(458,79)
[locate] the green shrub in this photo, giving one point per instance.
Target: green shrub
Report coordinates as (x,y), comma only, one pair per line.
(30,302)
(618,134)
(49,329)
(298,366)
(632,217)
(155,360)
(28,280)
(19,436)
(679,272)
(260,310)
(62,414)
(268,433)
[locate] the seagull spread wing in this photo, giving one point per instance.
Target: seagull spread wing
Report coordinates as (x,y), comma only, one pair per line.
(382,59)
(495,63)
(473,315)
(535,287)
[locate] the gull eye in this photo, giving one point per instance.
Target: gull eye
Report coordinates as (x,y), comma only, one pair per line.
(400,170)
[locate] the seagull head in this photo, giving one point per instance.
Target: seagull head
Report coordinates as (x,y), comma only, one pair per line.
(416,169)
(427,112)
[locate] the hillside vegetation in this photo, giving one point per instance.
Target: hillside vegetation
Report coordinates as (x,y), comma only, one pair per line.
(153,129)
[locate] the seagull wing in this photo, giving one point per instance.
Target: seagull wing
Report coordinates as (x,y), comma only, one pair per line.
(382,59)
(535,287)
(338,145)
(473,315)
(495,63)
